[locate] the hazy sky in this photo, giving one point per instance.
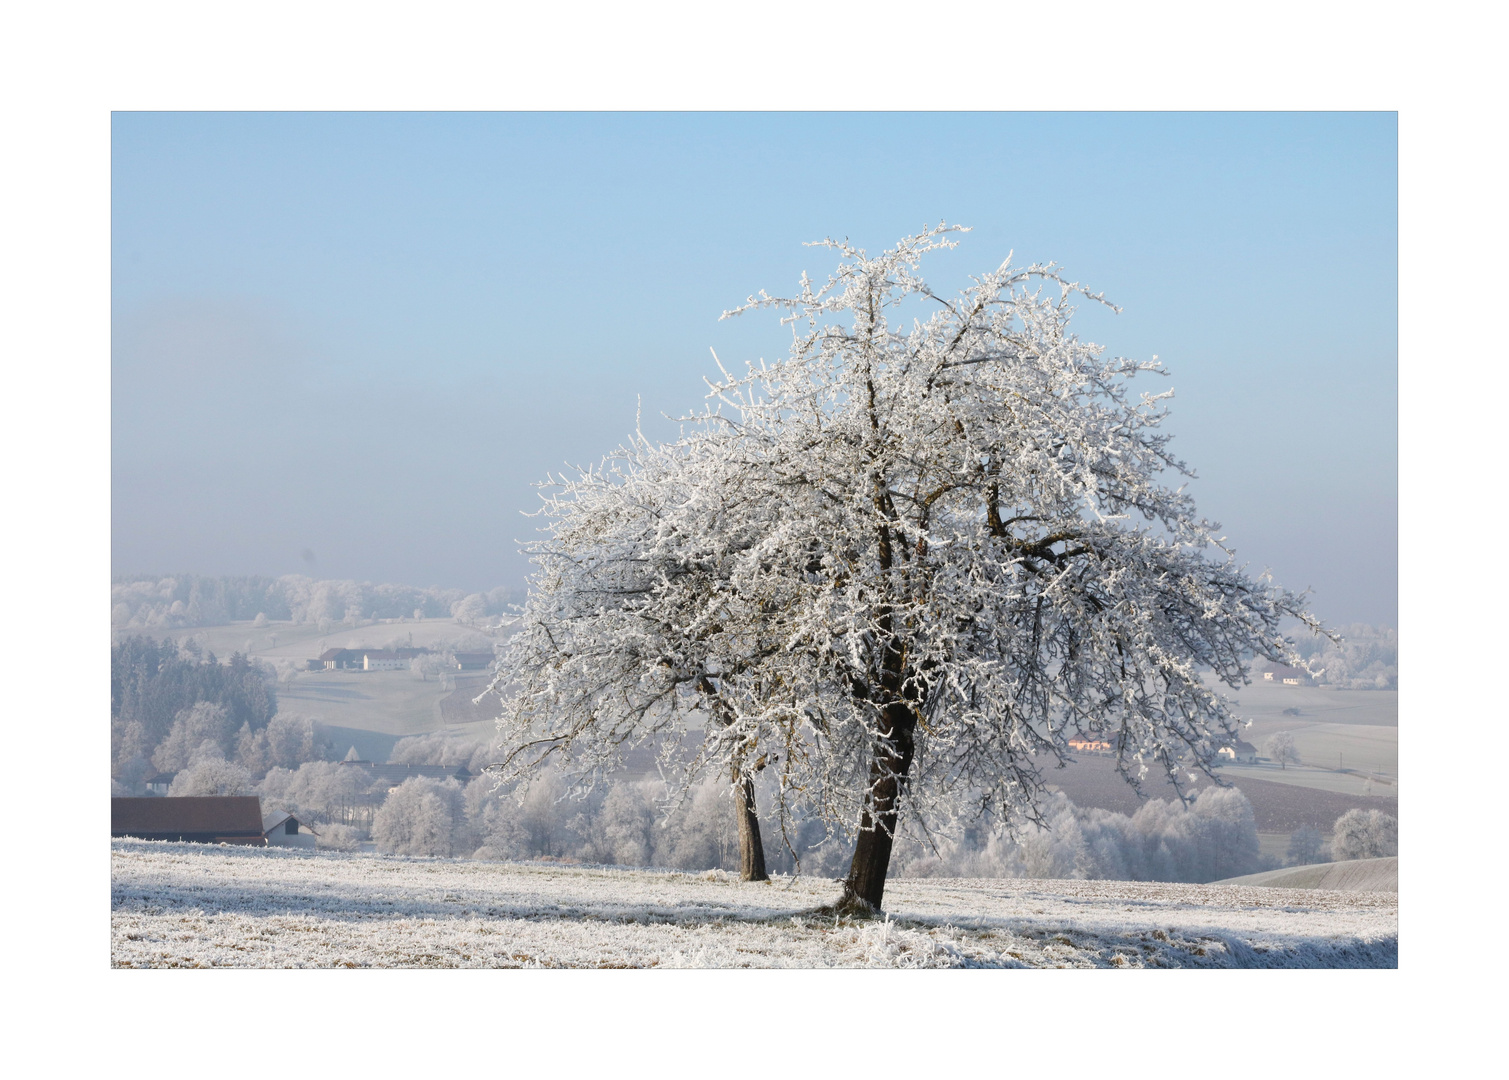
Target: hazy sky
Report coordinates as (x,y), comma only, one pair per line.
(348,345)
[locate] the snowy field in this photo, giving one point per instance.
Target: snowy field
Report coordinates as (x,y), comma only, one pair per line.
(194,905)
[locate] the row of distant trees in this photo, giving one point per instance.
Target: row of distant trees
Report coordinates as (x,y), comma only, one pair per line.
(1366,657)
(187,600)
(634,823)
(207,755)
(641,823)
(630,823)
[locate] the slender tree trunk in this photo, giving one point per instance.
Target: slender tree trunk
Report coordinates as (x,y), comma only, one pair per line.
(865,885)
(751,847)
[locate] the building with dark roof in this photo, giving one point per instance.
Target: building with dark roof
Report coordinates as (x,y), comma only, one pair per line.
(1241,751)
(201,819)
(1286,675)
(390,776)
(365,659)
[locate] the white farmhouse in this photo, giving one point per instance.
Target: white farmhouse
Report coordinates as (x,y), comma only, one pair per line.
(282,829)
(1240,752)
(1286,675)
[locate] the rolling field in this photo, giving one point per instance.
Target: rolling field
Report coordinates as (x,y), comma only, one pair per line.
(1265,701)
(387,702)
(458,710)
(195,905)
(390,702)
(1372,875)
(1354,730)
(1309,776)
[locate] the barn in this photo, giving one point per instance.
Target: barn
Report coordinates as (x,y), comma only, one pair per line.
(200,819)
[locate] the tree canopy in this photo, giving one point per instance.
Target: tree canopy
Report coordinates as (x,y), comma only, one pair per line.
(895,571)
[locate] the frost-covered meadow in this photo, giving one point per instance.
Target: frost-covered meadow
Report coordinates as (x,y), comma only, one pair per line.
(192,905)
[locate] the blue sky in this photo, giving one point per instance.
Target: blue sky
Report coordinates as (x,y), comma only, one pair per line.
(367,335)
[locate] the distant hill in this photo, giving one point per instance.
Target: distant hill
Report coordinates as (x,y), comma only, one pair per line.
(1368,875)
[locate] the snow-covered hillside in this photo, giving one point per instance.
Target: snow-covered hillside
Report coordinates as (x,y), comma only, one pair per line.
(1371,875)
(189,905)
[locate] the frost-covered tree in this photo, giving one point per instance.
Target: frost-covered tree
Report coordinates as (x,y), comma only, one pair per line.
(252,751)
(335,836)
(624,830)
(420,817)
(1305,846)
(212,776)
(288,741)
(200,724)
(703,834)
(315,791)
(634,627)
(492,817)
(1364,834)
(538,814)
(434,665)
(471,609)
(438,748)
(1280,747)
(899,569)
(293,740)
(132,775)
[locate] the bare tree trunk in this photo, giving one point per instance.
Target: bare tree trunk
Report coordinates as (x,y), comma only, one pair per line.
(751,847)
(865,887)
(892,761)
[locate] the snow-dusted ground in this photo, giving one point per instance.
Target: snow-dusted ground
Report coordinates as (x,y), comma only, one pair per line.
(194,905)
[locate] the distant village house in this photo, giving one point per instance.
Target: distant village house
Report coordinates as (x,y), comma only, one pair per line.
(1288,676)
(366,659)
(1239,752)
(1090,744)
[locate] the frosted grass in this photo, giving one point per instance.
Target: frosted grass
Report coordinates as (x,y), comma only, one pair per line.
(193,905)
